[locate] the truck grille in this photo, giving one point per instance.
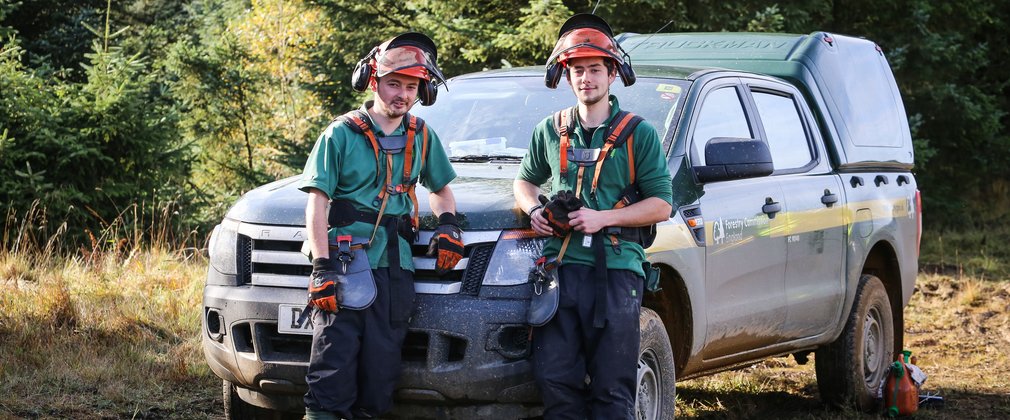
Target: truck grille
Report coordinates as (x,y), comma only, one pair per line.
(272,256)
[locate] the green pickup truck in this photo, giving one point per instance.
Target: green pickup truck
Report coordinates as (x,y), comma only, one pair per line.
(795,230)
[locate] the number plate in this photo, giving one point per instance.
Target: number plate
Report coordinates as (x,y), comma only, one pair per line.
(287,316)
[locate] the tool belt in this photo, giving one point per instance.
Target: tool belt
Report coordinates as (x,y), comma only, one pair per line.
(644,235)
(343,213)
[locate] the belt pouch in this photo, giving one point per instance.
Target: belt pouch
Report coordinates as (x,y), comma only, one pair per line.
(546,294)
(356,281)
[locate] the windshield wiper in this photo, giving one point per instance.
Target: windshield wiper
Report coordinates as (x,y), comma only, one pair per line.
(486,158)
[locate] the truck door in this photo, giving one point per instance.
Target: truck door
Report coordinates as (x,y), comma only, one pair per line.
(744,270)
(813,217)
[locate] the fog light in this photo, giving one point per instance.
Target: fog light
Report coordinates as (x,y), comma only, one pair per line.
(214,322)
(511,341)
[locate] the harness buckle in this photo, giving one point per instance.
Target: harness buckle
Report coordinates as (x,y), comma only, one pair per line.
(397,189)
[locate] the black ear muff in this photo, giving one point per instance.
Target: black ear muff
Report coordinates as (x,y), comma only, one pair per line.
(363,72)
(553,75)
(427,92)
(626,72)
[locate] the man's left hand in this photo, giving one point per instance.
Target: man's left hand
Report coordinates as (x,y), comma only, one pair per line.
(587,220)
(446,243)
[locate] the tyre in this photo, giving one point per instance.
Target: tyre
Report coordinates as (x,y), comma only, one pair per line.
(656,370)
(851,369)
(235,408)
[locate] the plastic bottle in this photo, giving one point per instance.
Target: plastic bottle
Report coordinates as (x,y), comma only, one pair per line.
(901,397)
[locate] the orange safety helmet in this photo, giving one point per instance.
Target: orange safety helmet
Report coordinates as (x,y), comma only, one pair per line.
(586,35)
(410,54)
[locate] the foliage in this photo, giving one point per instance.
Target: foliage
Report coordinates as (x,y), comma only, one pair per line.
(194,102)
(240,83)
(89,150)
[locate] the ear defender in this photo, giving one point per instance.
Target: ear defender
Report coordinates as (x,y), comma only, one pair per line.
(363,71)
(553,75)
(426,92)
(626,72)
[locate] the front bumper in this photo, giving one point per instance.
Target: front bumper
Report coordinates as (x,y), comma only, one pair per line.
(461,350)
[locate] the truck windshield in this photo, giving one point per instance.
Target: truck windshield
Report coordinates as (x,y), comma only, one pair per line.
(492,118)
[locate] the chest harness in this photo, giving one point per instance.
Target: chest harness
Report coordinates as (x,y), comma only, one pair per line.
(343,213)
(619,133)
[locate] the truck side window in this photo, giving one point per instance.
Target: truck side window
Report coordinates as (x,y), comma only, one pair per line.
(721,115)
(786,137)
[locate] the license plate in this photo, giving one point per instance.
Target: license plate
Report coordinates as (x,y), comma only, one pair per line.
(287,317)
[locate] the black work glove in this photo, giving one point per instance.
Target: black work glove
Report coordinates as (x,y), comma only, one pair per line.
(446,243)
(557,208)
(324,287)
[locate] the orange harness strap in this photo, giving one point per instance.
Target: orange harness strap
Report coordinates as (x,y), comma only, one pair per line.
(407,184)
(563,132)
(607,146)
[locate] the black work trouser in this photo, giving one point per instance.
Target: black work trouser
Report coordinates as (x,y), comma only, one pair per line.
(355,359)
(568,348)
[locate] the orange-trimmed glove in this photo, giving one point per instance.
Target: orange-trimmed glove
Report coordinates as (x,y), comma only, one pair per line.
(324,287)
(446,243)
(556,211)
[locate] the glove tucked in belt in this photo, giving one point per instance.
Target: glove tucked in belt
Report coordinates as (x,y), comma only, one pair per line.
(557,208)
(324,286)
(446,243)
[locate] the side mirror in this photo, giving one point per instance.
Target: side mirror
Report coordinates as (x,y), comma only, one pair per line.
(734,158)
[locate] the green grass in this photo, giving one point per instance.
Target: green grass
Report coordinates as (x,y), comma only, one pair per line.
(983,254)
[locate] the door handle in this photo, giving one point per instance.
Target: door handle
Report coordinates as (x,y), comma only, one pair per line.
(771,207)
(880,179)
(828,198)
(856,181)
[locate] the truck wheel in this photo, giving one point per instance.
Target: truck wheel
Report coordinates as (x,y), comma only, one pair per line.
(656,370)
(235,408)
(851,369)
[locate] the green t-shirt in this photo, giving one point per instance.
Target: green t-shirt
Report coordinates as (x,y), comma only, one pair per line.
(342,165)
(543,162)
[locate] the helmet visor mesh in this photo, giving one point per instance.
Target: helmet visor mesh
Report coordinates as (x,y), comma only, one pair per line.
(406,59)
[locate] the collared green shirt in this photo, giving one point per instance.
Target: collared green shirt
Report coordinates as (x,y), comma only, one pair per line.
(543,162)
(342,165)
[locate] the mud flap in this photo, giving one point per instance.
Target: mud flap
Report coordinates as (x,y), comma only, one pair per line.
(356,281)
(546,293)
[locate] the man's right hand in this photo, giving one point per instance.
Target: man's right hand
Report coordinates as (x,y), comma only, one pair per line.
(324,286)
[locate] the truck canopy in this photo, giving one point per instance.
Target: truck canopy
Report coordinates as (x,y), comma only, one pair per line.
(849,77)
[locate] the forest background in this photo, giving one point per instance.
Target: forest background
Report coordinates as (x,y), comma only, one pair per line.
(151,117)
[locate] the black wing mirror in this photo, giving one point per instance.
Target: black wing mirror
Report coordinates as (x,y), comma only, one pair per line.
(734,158)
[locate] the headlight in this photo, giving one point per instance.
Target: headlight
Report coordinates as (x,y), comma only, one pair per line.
(223,245)
(513,257)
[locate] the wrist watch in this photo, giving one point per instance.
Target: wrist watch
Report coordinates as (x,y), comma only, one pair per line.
(533,209)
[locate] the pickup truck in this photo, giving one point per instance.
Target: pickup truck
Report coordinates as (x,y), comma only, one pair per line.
(795,230)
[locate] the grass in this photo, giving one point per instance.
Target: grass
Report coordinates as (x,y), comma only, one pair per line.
(977,253)
(958,330)
(112,331)
(109,338)
(108,330)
